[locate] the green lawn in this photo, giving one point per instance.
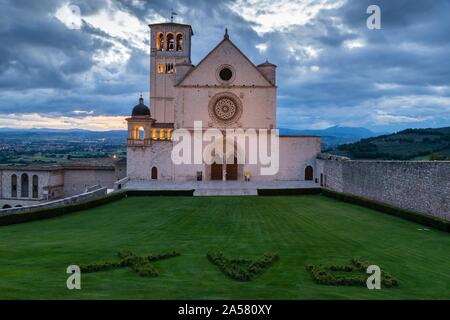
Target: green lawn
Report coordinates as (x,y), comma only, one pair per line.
(305,229)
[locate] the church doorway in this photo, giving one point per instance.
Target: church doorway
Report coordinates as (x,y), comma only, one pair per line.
(232,170)
(154,173)
(309,173)
(216,172)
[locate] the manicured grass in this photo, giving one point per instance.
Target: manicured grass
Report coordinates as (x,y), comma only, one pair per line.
(300,229)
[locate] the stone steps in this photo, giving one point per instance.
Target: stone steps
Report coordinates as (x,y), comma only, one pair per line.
(225,192)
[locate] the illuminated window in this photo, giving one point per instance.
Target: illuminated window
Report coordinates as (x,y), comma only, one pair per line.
(170,42)
(161,68)
(139,133)
(161,134)
(159,41)
(154,134)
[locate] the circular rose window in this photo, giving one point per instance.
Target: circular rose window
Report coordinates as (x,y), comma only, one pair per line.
(225,108)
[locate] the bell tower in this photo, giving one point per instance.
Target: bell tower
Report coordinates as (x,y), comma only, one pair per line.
(170,45)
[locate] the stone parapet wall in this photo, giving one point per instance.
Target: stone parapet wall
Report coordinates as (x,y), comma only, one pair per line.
(422,186)
(52,204)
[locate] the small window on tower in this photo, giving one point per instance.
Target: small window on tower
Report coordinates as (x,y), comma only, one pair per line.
(170,68)
(159,41)
(170,42)
(179,42)
(160,68)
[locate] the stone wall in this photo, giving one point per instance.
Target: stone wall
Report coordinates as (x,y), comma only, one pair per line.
(422,186)
(52,204)
(77,180)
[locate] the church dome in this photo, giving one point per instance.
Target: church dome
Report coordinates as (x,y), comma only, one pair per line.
(141,109)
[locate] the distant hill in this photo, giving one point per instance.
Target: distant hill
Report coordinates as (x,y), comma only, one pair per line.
(73,135)
(334,136)
(417,144)
(331,137)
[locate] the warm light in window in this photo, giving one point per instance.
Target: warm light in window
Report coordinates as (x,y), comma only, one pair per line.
(161,68)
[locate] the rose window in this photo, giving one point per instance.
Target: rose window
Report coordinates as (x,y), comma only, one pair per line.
(225,109)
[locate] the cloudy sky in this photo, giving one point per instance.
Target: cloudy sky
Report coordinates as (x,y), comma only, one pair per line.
(83,63)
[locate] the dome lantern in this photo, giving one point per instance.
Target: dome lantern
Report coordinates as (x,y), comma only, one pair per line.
(141,110)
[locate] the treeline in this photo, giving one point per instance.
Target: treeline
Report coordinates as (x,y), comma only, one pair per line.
(403,145)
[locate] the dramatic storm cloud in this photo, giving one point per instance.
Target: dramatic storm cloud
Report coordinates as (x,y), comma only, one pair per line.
(83,63)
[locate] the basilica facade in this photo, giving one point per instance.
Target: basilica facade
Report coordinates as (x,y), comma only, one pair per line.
(225,91)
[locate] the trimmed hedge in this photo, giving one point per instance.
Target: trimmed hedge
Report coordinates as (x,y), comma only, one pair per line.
(289,192)
(47,213)
(242,269)
(160,193)
(328,275)
(142,265)
(420,218)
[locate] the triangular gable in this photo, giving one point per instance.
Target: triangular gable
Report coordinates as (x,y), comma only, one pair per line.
(225,53)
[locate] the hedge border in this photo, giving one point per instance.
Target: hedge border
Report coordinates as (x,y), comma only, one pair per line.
(160,193)
(420,218)
(289,192)
(48,213)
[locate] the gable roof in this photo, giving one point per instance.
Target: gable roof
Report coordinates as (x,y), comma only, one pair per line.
(226,39)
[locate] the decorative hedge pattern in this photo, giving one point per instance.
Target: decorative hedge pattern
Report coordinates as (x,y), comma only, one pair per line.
(242,269)
(354,275)
(142,265)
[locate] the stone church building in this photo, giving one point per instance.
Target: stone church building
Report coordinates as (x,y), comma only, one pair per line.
(225,90)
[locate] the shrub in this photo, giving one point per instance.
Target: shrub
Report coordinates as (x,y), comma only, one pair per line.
(145,269)
(140,264)
(239,268)
(327,275)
